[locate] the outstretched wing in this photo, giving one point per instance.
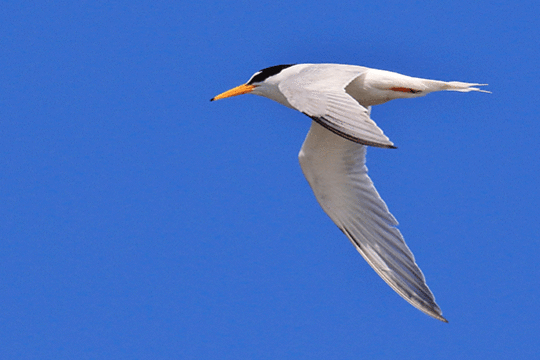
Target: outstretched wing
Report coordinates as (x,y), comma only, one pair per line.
(335,169)
(319,92)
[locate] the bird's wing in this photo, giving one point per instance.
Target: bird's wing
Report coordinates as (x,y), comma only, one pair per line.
(335,169)
(319,92)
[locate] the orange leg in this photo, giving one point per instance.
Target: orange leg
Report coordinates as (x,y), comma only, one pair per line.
(407,90)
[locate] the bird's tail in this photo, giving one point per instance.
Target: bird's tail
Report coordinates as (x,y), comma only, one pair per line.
(463,87)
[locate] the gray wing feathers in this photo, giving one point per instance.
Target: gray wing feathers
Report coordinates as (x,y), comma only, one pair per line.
(345,117)
(335,169)
(320,94)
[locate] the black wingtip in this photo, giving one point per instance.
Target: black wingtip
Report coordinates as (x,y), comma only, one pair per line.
(212,99)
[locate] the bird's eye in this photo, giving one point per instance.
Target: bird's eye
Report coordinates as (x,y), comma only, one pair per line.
(252,78)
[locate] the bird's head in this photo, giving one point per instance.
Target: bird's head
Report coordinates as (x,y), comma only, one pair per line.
(259,83)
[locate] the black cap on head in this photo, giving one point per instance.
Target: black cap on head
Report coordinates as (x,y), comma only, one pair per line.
(264,74)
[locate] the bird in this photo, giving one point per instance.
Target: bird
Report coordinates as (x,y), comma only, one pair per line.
(338,98)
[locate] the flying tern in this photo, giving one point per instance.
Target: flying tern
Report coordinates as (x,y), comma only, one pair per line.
(338,98)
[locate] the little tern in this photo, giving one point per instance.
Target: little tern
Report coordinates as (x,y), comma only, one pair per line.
(338,98)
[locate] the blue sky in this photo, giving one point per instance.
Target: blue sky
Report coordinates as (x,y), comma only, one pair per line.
(140,221)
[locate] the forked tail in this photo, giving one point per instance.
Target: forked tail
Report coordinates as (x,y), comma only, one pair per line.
(463,87)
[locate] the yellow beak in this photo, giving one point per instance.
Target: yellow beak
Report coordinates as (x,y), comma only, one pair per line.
(239,90)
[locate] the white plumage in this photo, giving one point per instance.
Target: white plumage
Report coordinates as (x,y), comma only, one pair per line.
(339,98)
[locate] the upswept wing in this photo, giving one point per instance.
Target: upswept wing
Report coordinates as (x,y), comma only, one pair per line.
(335,169)
(319,92)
